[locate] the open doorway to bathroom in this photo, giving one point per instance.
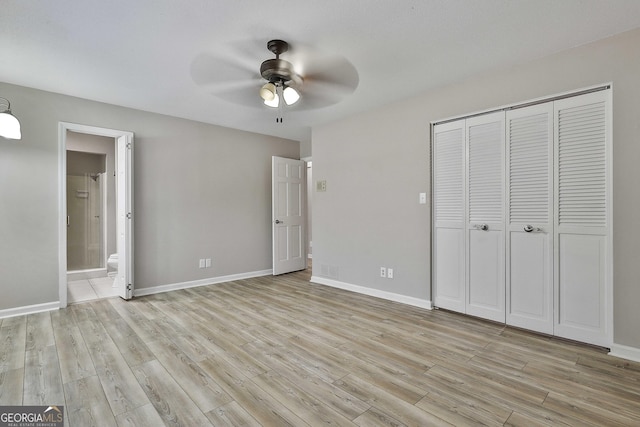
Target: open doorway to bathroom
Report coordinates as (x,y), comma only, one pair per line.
(91,212)
(96,216)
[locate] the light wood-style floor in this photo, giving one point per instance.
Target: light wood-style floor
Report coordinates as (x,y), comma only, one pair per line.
(281,351)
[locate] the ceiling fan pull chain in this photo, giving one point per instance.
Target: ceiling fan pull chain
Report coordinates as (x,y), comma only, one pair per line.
(279,91)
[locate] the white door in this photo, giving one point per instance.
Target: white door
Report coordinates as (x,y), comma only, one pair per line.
(485,286)
(529,248)
(582,269)
(289,213)
(124,213)
(448,214)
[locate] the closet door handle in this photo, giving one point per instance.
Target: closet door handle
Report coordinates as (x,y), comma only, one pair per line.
(483,227)
(528,228)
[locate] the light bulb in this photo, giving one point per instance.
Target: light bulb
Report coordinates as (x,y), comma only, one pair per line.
(274,102)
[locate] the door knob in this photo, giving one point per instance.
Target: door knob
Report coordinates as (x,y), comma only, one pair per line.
(528,228)
(483,227)
(279,222)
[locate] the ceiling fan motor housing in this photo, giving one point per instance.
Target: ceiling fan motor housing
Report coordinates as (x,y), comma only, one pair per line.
(279,70)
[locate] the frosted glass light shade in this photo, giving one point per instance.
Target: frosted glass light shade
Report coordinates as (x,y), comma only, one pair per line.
(290,95)
(9,126)
(268,92)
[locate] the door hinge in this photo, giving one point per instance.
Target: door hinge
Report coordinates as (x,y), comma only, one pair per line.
(129,287)
(129,145)
(129,215)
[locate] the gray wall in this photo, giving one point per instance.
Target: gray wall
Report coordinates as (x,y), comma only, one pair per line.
(201,191)
(376,163)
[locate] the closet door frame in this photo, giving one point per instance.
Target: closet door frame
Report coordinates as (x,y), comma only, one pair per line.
(605,336)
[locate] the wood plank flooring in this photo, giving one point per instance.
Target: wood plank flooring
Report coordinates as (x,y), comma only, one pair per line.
(279,351)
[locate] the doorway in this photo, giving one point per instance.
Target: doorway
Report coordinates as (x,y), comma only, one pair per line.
(91,212)
(97,234)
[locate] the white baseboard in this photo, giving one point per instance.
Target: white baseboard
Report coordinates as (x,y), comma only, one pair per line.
(202,282)
(29,309)
(416,302)
(625,352)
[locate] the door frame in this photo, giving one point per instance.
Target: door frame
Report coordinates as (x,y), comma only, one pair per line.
(63,127)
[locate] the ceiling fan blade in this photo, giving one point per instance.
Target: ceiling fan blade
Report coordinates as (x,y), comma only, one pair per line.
(227,79)
(247,97)
(327,78)
(209,69)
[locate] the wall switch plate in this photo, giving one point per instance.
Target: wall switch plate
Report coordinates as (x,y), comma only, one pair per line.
(422,199)
(201,264)
(389,273)
(207,263)
(383,272)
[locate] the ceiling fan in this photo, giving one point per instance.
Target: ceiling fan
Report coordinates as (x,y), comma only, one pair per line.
(281,77)
(299,77)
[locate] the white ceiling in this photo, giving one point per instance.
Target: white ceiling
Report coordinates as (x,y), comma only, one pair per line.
(155,55)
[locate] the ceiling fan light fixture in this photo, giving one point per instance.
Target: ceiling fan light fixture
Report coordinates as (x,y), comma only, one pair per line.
(290,95)
(268,92)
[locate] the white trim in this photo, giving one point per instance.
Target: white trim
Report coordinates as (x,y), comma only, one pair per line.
(625,352)
(416,302)
(29,309)
(539,100)
(202,282)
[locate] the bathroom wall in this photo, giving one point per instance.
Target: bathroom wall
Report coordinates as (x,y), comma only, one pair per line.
(85,213)
(80,142)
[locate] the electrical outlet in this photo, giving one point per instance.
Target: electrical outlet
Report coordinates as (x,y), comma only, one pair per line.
(202,263)
(207,263)
(389,273)
(383,272)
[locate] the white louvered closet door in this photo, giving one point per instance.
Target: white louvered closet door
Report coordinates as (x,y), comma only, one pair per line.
(529,244)
(448,213)
(582,197)
(485,284)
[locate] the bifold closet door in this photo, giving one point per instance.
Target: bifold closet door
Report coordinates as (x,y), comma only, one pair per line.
(485,282)
(582,267)
(529,244)
(448,212)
